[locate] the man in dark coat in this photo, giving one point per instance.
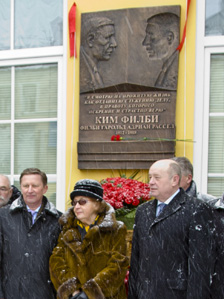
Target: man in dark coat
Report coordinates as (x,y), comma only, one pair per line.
(188,184)
(29,231)
(172,249)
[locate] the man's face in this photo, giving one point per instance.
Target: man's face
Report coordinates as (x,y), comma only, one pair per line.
(156,42)
(160,181)
(104,43)
(33,190)
(5,191)
(185,181)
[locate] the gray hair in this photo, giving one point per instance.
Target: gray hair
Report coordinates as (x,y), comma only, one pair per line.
(185,165)
(7,178)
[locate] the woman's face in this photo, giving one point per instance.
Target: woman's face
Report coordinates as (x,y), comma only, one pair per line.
(85,209)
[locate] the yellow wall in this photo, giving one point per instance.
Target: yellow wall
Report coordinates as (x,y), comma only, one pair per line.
(185,91)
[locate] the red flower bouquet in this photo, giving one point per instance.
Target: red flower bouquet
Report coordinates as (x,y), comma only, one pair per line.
(125,195)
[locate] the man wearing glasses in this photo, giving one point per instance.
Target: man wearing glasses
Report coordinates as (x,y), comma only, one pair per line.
(8,192)
(5,190)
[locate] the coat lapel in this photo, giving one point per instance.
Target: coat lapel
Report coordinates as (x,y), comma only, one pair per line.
(171,208)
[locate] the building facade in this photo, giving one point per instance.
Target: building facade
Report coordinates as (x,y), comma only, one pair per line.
(39,91)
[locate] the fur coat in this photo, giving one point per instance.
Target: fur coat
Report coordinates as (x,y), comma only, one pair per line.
(97,265)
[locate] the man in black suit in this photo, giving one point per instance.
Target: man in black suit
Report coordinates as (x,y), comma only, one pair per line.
(172,249)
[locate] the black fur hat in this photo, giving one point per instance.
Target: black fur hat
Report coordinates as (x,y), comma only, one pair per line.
(89,188)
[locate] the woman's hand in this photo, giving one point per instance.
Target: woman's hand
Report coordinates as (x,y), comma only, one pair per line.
(79,295)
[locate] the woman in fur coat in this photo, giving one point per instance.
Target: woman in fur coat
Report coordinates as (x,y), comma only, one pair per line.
(89,261)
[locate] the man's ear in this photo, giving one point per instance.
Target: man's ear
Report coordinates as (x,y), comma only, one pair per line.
(189,178)
(90,39)
(45,189)
(170,37)
(176,179)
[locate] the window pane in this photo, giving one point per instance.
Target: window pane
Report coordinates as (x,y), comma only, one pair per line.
(216,83)
(5,149)
(4,25)
(36,146)
(36,91)
(5,93)
(214,22)
(216,186)
(38,23)
(216,145)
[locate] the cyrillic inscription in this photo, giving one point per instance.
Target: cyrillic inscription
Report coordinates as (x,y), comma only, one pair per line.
(137,114)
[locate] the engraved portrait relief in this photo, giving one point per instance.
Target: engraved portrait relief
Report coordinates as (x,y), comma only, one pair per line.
(98,45)
(161,41)
(128,81)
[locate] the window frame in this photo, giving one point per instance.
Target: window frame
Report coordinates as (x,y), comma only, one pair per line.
(205,47)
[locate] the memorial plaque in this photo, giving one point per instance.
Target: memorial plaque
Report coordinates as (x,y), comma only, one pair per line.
(128,80)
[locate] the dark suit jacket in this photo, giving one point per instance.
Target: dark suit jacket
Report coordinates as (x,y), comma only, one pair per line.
(172,255)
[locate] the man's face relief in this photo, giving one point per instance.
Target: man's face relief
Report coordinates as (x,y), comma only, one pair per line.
(156,42)
(104,43)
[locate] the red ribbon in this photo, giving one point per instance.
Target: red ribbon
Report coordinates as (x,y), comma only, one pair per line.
(72,30)
(185,27)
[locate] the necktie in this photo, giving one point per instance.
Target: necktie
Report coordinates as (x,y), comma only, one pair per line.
(34,215)
(159,209)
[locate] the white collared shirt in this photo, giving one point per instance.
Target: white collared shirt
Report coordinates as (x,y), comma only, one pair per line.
(169,199)
(34,213)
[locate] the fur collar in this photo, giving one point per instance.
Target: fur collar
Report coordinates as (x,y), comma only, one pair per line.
(19,204)
(107,220)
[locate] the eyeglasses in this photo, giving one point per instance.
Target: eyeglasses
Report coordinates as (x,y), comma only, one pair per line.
(3,189)
(81,202)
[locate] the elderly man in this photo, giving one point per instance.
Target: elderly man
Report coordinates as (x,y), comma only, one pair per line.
(8,192)
(161,41)
(98,44)
(172,241)
(29,231)
(5,190)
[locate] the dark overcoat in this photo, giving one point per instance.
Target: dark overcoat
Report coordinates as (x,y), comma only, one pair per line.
(25,250)
(97,264)
(217,279)
(172,254)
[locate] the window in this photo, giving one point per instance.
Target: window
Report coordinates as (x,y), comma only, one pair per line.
(29,131)
(5,6)
(214,21)
(32,86)
(209,99)
(35,23)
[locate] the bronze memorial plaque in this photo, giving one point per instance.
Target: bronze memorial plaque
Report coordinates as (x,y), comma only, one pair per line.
(128,81)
